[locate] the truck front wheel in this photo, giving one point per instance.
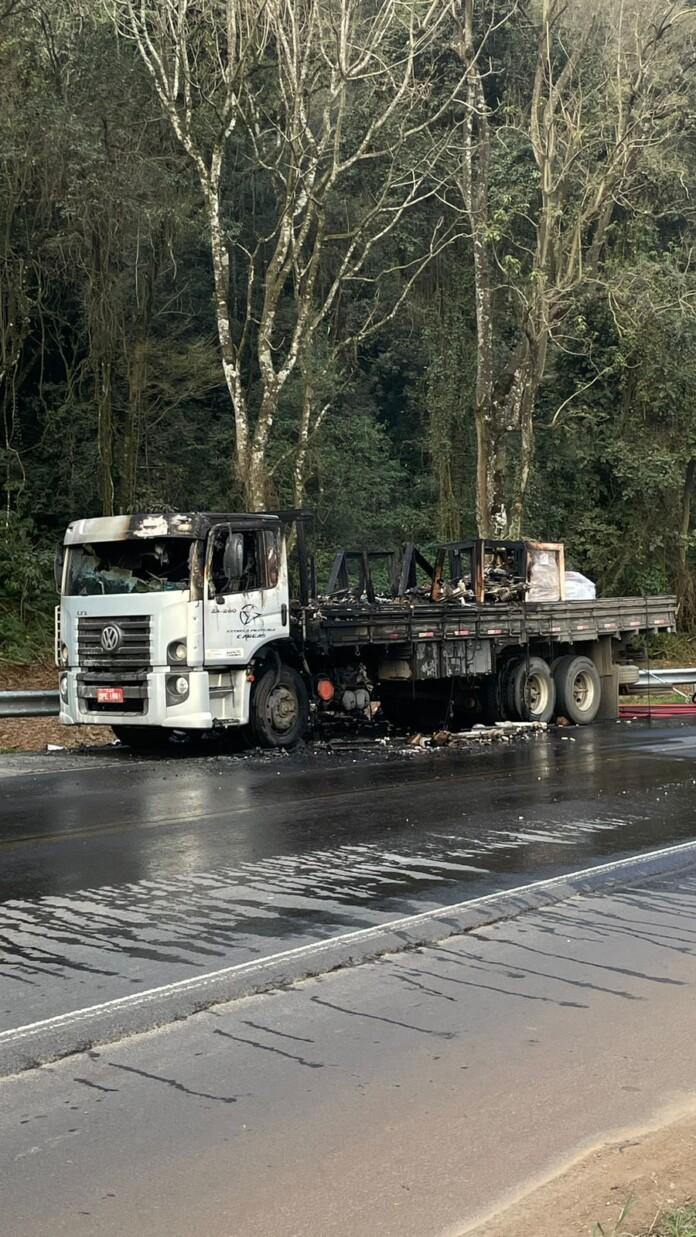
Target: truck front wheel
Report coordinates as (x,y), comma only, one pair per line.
(279,708)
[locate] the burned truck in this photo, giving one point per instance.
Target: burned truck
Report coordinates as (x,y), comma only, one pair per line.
(188,622)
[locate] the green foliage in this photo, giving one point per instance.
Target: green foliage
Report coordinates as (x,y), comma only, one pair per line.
(681,1223)
(111,373)
(27,596)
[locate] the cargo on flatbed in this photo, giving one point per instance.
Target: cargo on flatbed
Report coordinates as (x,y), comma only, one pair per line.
(190,621)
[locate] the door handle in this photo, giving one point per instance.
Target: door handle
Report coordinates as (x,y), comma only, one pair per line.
(283,614)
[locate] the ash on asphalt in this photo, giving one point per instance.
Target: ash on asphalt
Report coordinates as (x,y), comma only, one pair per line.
(121,874)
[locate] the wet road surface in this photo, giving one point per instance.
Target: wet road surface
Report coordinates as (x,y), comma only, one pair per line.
(118,874)
(403,1097)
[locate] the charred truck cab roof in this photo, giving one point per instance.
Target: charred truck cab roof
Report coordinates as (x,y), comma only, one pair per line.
(162,524)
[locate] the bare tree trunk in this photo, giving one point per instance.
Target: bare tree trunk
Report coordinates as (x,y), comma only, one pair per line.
(105,436)
(298,471)
(528,383)
(230,358)
(255,480)
(132,426)
(476,192)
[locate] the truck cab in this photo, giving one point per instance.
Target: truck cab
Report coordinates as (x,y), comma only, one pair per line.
(163,616)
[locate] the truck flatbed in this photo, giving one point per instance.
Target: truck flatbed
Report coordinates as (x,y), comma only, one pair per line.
(331,623)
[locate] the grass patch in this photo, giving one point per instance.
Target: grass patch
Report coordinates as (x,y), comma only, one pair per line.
(679,1223)
(678,647)
(658,698)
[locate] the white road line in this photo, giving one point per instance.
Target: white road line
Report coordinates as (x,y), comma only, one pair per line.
(197,982)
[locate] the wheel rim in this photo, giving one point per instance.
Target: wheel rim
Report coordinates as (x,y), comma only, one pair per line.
(282,709)
(537,693)
(584,691)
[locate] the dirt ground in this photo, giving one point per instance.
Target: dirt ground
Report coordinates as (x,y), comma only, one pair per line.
(33,734)
(654,1170)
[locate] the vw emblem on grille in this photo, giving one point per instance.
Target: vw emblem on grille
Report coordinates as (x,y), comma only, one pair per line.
(110,638)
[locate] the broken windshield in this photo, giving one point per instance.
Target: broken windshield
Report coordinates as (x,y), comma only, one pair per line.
(138,566)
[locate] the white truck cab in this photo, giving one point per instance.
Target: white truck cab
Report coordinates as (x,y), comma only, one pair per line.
(161,617)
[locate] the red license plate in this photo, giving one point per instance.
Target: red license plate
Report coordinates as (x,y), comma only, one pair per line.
(109,695)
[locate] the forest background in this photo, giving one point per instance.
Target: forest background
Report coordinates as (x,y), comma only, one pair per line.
(426,268)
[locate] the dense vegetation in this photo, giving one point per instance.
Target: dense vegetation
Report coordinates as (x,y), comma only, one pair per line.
(423,267)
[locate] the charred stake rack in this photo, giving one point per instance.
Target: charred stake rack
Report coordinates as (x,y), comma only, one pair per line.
(480,630)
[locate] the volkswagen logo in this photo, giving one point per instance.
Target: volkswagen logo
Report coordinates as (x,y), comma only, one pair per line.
(110,638)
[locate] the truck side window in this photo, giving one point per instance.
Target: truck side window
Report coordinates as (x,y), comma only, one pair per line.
(272,555)
(234,562)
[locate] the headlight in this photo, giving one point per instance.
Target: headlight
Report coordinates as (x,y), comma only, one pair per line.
(177,651)
(177,688)
(64,655)
(63,685)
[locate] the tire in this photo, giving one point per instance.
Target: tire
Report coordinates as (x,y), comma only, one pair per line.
(279,709)
(141,737)
(578,689)
(508,710)
(533,690)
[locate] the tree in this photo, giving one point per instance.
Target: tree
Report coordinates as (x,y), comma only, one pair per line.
(558,135)
(313,130)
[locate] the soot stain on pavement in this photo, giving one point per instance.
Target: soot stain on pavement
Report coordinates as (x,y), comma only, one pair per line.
(96,1086)
(479,962)
(395,1022)
(279,1052)
(174,1083)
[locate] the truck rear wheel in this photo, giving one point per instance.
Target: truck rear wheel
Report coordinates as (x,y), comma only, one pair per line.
(532,690)
(279,708)
(141,737)
(578,689)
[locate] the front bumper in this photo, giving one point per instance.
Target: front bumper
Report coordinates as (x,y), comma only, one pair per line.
(151,705)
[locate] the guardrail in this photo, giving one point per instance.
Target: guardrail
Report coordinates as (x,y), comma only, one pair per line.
(666,679)
(29,704)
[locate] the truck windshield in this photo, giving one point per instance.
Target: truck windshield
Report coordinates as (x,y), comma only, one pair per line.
(138,566)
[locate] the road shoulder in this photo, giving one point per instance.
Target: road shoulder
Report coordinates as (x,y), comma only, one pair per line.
(651,1170)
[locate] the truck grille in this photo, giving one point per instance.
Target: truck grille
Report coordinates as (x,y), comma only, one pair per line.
(127,641)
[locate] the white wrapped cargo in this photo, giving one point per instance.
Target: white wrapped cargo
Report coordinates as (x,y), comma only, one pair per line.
(578,587)
(544,573)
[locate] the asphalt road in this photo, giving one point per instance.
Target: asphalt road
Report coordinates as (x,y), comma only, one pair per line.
(404,1097)
(119,875)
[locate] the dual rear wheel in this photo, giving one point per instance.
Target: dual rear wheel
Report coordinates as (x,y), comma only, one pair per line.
(533,691)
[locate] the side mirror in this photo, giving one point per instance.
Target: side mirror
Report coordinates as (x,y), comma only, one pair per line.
(233,557)
(58,560)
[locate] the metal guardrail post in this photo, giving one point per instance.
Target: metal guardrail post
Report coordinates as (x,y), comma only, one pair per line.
(29,704)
